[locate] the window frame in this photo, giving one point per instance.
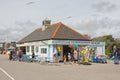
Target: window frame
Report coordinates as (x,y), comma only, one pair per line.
(44,50)
(37,49)
(27,48)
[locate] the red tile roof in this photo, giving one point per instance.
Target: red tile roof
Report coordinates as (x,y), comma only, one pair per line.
(54,31)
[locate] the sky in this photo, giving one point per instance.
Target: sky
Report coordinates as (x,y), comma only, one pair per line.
(96,18)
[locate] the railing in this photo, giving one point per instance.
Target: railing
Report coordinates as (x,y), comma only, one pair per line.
(37,58)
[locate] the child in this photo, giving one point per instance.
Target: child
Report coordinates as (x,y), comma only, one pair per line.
(64,58)
(69,57)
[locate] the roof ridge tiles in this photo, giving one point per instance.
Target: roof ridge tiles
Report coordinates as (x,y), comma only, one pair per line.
(58,28)
(52,25)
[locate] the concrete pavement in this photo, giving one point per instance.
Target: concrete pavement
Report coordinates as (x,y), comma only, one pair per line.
(35,71)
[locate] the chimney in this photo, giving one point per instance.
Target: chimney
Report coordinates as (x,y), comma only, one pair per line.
(45,24)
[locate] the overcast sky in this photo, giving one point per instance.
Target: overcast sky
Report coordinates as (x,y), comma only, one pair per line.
(94,17)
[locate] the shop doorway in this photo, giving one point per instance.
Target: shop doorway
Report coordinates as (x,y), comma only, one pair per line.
(66,50)
(23,49)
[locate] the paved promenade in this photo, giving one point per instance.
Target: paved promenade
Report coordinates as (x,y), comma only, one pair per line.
(15,70)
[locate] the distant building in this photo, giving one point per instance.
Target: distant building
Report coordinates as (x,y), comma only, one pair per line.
(46,41)
(5,45)
(2,45)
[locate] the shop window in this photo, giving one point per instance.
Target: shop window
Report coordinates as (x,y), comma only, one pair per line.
(37,49)
(32,48)
(28,48)
(43,50)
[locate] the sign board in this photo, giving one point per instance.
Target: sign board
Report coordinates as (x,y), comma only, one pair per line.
(77,42)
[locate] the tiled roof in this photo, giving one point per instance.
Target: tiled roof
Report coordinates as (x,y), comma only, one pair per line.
(54,31)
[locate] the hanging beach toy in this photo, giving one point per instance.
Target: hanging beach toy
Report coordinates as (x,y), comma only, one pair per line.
(75,45)
(71,45)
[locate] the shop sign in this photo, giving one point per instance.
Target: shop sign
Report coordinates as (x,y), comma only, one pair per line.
(77,42)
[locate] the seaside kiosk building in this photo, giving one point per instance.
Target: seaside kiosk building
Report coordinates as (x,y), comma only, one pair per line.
(46,41)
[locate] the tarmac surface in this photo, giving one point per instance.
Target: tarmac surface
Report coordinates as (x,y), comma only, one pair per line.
(15,70)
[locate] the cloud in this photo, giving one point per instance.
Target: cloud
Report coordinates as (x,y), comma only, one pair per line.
(99,27)
(91,26)
(104,6)
(104,22)
(16,32)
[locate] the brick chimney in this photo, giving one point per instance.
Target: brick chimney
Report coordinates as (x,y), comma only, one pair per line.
(45,24)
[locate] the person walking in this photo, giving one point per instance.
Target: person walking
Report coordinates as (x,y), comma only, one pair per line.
(75,55)
(115,54)
(33,56)
(20,54)
(10,56)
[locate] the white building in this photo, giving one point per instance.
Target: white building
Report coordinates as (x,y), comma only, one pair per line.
(45,41)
